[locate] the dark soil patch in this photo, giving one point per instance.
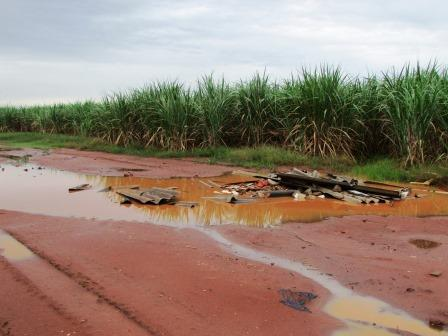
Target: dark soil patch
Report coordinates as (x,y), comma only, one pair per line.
(424,244)
(131,169)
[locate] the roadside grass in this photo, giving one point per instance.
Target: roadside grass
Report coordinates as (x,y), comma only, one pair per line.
(261,157)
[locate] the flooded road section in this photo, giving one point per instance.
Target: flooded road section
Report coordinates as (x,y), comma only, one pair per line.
(45,191)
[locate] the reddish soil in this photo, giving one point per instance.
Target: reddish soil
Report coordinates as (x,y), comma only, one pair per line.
(117,165)
(168,281)
(26,310)
(369,254)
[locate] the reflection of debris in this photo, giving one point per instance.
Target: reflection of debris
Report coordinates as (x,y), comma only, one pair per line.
(296,300)
(125,200)
(149,195)
(424,244)
(131,169)
(208,184)
(230,199)
(187,204)
(436,274)
(107,189)
(80,187)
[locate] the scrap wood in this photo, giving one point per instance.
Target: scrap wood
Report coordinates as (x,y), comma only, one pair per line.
(80,187)
(250,174)
(280,193)
(426,183)
(292,179)
(382,184)
(331,193)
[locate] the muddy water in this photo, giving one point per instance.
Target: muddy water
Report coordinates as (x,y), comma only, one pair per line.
(12,250)
(46,192)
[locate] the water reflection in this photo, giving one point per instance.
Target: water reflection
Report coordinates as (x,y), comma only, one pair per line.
(45,191)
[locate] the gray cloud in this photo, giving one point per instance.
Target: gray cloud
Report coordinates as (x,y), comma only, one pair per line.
(60,50)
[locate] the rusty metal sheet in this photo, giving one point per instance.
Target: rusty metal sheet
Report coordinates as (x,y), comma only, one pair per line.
(149,195)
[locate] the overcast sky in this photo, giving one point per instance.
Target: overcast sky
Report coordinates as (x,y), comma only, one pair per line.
(65,50)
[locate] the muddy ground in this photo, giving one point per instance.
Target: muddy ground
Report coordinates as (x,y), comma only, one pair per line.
(106,277)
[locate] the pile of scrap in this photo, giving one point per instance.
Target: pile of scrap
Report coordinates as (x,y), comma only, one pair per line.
(302,184)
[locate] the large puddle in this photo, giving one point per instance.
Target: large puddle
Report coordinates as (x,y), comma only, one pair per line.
(45,191)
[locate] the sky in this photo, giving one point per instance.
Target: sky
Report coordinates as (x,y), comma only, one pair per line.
(69,50)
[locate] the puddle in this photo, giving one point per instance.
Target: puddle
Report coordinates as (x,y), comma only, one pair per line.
(13,250)
(374,317)
(362,315)
(46,192)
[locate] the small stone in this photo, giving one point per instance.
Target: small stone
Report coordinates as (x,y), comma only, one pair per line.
(435,274)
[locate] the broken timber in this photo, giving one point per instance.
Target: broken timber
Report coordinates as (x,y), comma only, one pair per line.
(302,180)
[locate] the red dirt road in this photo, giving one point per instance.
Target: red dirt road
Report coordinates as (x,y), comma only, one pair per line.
(167,281)
(372,255)
(106,164)
(115,278)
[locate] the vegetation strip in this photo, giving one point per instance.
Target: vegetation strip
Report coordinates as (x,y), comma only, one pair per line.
(267,157)
(321,112)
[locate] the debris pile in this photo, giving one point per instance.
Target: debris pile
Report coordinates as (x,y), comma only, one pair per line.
(298,184)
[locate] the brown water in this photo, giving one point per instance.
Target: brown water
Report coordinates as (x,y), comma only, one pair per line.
(46,192)
(12,250)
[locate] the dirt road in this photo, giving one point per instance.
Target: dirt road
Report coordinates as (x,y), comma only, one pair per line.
(78,276)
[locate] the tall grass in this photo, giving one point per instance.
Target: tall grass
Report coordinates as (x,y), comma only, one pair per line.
(321,112)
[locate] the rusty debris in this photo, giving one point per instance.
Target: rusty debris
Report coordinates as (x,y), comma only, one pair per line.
(296,300)
(149,195)
(80,187)
(304,185)
(297,184)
